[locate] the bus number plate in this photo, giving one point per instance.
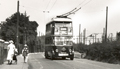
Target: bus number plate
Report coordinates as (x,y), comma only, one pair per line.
(63,54)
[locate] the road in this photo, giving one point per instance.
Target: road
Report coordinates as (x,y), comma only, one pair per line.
(37,61)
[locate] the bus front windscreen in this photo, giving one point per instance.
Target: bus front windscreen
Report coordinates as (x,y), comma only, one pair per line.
(63,41)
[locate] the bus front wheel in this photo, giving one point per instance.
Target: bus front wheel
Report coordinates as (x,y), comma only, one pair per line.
(52,55)
(71,57)
(46,55)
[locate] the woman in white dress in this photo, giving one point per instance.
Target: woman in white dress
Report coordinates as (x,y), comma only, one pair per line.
(11,48)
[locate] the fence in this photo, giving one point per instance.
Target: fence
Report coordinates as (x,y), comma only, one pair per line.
(3,51)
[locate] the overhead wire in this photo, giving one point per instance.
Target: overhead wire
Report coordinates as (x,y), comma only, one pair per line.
(48,5)
(86,3)
(46,11)
(53,5)
(75,9)
(31,8)
(81,3)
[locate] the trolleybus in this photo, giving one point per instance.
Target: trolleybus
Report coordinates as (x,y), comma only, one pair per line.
(58,38)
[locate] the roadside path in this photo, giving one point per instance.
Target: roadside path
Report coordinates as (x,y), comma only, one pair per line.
(20,64)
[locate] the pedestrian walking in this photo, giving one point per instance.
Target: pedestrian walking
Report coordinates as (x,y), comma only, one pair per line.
(25,52)
(15,55)
(11,48)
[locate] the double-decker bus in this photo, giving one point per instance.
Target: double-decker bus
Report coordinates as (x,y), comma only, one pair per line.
(58,38)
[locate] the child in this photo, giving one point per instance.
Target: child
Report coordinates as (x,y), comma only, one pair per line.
(15,55)
(25,53)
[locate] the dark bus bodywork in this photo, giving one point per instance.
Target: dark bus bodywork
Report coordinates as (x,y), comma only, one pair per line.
(58,39)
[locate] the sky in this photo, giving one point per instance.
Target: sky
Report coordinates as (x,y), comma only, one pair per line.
(91,16)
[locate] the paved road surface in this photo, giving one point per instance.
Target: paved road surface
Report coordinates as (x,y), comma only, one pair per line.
(37,61)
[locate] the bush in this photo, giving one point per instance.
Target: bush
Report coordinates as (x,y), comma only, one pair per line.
(105,52)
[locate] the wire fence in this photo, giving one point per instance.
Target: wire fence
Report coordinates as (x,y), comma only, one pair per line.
(91,40)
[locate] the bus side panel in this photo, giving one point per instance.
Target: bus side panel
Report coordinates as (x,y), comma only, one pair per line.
(49,50)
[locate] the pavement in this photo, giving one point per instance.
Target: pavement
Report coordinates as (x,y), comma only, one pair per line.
(20,64)
(77,54)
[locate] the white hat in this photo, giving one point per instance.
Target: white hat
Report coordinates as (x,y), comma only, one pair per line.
(10,41)
(25,45)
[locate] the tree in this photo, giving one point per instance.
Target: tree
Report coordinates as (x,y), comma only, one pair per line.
(27,29)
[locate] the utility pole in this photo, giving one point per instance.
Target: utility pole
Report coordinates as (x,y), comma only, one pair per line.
(93,38)
(79,32)
(81,38)
(84,35)
(17,24)
(96,36)
(38,41)
(25,38)
(106,24)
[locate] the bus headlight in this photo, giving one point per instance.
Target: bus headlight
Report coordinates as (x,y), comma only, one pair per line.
(56,29)
(56,50)
(70,50)
(73,51)
(70,30)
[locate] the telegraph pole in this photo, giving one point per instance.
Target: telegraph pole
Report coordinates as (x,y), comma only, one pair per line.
(96,36)
(84,35)
(79,32)
(17,24)
(106,24)
(25,30)
(81,37)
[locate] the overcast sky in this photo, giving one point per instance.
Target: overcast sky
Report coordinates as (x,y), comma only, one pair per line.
(91,16)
